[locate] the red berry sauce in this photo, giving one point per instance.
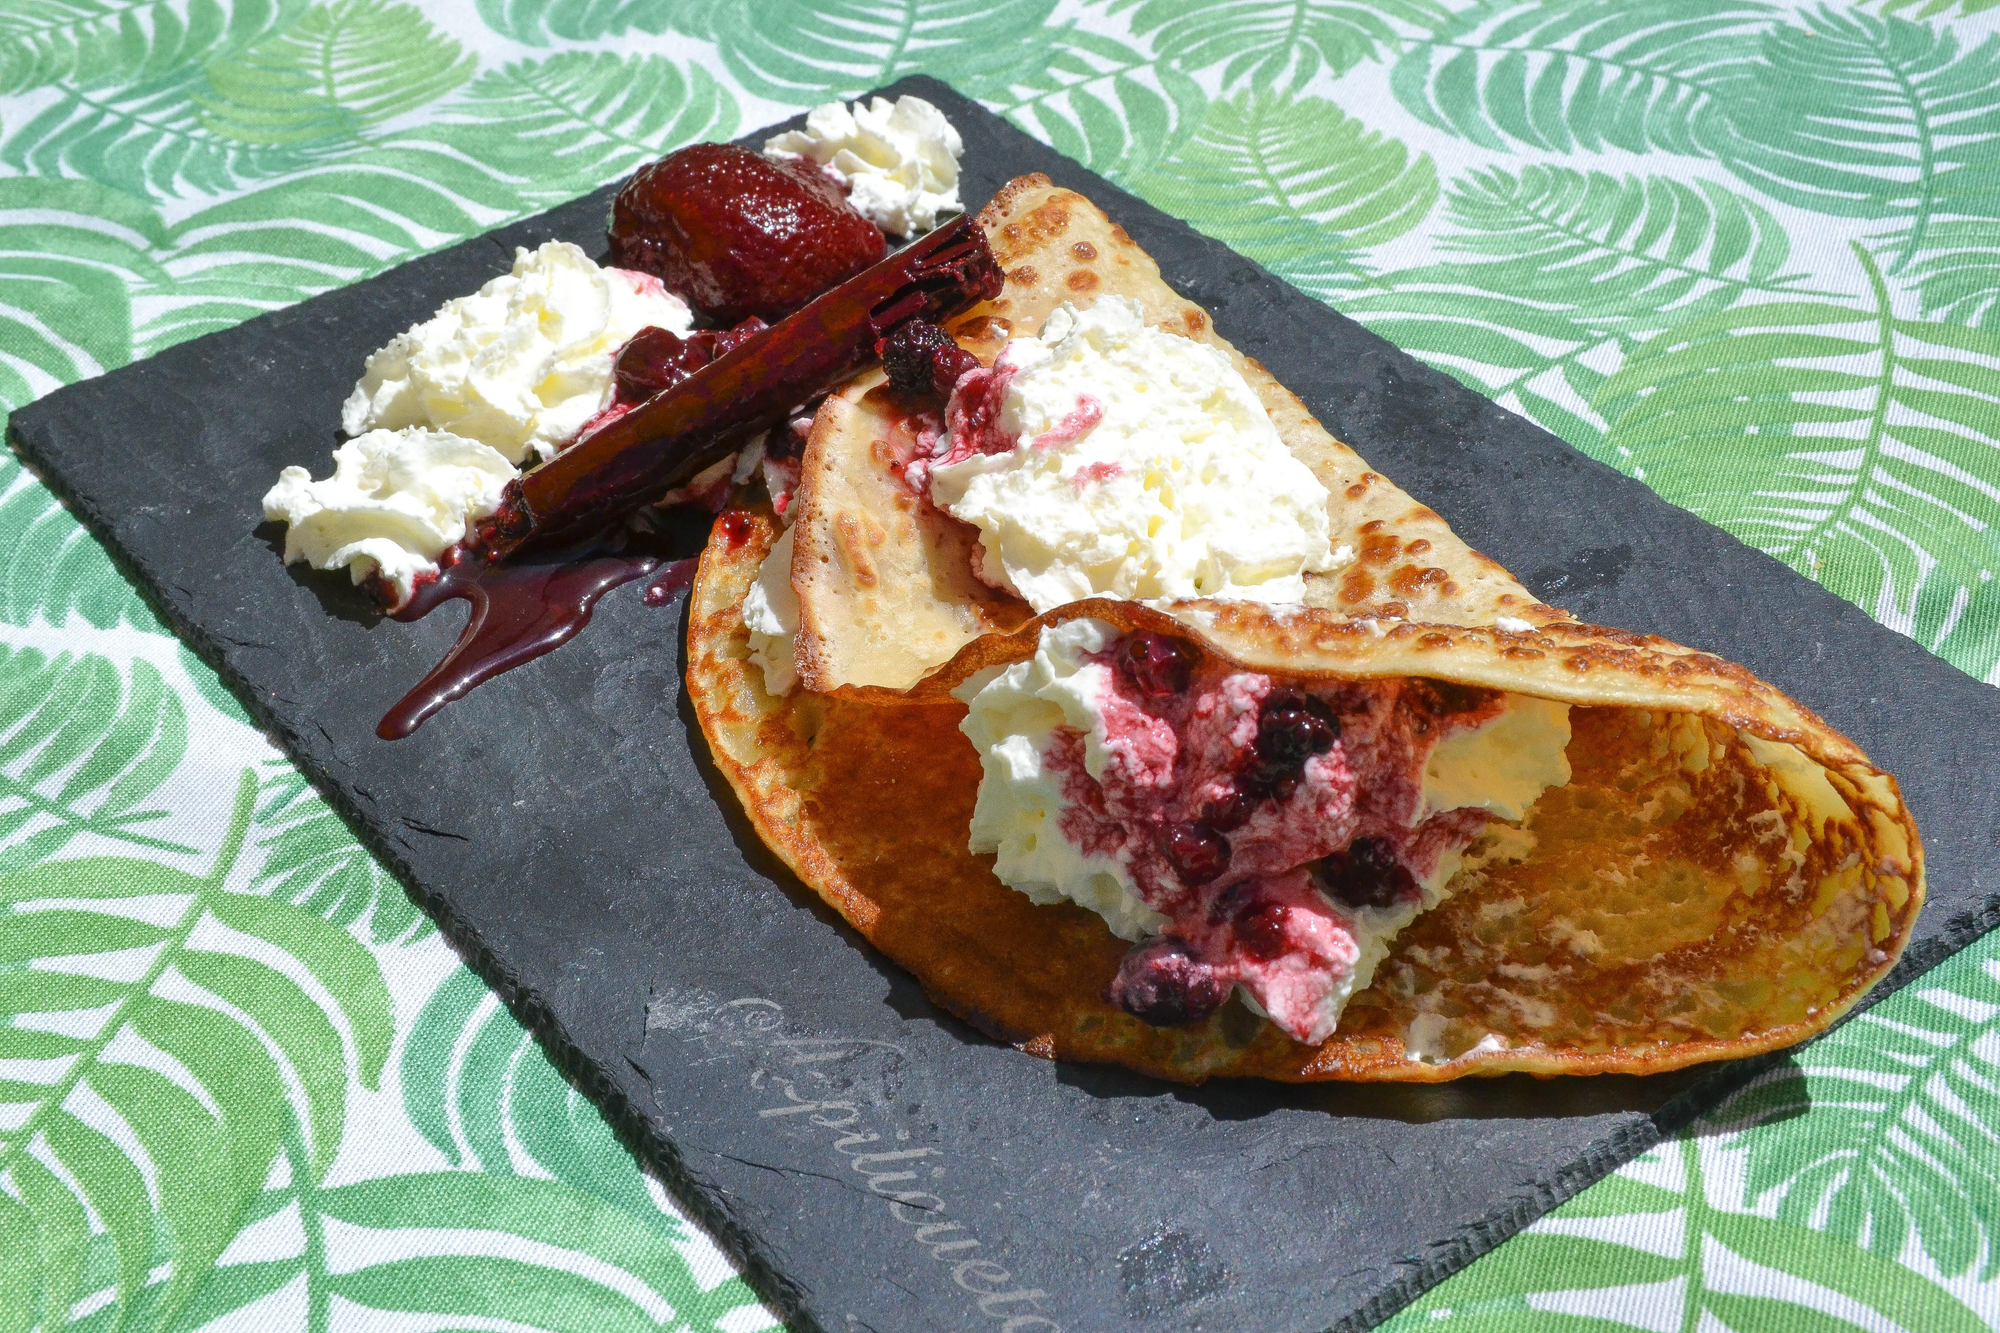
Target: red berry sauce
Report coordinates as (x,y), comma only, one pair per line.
(519,612)
(525,608)
(1258,818)
(657,359)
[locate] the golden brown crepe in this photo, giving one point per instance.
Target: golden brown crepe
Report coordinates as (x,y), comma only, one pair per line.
(885,583)
(1723,874)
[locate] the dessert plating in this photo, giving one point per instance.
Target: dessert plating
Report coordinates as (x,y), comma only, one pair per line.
(1412,826)
(1245,723)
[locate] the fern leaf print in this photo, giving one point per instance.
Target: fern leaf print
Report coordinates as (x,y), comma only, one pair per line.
(1745,251)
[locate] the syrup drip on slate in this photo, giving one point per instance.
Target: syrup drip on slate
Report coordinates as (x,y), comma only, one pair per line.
(523,609)
(676,577)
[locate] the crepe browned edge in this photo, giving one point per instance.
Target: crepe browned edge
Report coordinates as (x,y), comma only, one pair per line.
(885,583)
(1636,929)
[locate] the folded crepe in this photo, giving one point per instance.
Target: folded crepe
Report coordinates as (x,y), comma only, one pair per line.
(1722,875)
(1718,873)
(885,585)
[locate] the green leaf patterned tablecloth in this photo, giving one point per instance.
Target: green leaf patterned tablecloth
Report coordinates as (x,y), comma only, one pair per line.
(1747,251)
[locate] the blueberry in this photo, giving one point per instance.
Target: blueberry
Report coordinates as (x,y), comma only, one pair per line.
(1156,664)
(1197,852)
(922,359)
(1260,930)
(1367,874)
(1164,983)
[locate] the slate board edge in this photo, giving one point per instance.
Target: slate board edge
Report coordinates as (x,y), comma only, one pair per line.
(604,1085)
(591,1077)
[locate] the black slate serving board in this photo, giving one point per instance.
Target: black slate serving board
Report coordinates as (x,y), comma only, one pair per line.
(565,827)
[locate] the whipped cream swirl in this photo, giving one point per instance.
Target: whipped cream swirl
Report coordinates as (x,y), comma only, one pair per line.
(1106,457)
(521,364)
(898,161)
(395,501)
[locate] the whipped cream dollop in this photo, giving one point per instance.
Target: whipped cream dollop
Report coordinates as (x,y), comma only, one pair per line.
(1087,782)
(771,611)
(395,501)
(1106,457)
(899,161)
(521,364)
(1013,714)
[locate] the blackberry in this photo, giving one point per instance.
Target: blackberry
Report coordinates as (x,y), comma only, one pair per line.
(1367,874)
(1292,728)
(1156,664)
(1164,983)
(922,359)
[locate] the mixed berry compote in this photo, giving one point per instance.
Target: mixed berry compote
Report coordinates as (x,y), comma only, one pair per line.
(1272,831)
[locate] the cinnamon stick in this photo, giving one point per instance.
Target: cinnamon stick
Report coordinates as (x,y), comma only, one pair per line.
(675,434)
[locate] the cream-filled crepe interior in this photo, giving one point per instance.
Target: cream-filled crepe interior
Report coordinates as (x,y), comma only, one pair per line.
(886,581)
(1082,770)
(1722,874)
